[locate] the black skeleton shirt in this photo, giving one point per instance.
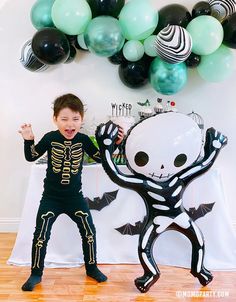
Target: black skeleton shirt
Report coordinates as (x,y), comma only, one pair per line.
(65,158)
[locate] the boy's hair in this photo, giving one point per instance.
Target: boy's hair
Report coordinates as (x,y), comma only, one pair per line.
(68,101)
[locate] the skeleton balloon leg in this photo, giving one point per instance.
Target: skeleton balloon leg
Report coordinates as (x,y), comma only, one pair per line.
(198,270)
(145,251)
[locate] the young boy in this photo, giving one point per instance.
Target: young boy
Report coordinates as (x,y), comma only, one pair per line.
(62,185)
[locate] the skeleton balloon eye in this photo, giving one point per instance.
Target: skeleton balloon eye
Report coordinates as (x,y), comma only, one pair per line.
(180,160)
(141,158)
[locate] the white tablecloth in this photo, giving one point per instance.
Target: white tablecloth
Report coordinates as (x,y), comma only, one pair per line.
(172,248)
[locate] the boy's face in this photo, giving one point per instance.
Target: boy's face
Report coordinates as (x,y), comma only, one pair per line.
(68,122)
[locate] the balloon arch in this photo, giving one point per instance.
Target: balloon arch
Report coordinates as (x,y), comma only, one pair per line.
(148,45)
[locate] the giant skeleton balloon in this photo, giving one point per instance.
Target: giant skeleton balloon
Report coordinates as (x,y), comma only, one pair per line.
(164,155)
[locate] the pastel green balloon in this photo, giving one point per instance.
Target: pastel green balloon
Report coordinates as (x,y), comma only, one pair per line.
(138,19)
(217,66)
(207,34)
(103,36)
(133,50)
(81,42)
(167,78)
(40,14)
(71,16)
(149,46)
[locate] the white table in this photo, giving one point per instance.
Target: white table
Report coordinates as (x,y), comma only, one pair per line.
(172,248)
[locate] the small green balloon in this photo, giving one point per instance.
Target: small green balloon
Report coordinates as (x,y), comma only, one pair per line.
(138,19)
(167,78)
(149,46)
(81,42)
(103,36)
(71,16)
(40,14)
(133,50)
(217,66)
(207,34)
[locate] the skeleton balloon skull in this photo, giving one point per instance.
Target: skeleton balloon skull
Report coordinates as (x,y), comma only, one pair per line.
(164,154)
(166,149)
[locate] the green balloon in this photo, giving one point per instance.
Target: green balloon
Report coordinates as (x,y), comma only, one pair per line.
(133,50)
(103,36)
(217,66)
(167,78)
(81,42)
(40,14)
(138,19)
(206,33)
(71,16)
(149,46)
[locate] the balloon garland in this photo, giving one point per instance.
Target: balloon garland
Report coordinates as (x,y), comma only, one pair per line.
(150,46)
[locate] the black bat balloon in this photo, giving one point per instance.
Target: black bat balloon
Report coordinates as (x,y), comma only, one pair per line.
(99,203)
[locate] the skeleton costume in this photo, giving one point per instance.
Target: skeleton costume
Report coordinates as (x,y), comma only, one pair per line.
(163,198)
(62,193)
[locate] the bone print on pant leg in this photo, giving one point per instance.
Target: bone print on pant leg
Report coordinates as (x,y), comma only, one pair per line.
(40,241)
(90,236)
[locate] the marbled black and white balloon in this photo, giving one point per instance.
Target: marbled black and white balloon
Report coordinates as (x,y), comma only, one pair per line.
(29,60)
(173,44)
(221,9)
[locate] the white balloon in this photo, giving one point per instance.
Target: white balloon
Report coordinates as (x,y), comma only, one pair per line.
(29,60)
(221,9)
(163,145)
(173,44)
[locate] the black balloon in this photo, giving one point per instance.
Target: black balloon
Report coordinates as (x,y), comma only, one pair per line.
(229,26)
(106,7)
(72,39)
(173,14)
(193,60)
(50,46)
(201,8)
(117,58)
(135,74)
(71,55)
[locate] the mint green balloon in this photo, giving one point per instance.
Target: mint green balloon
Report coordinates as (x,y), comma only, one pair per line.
(71,16)
(103,36)
(138,19)
(167,78)
(40,14)
(207,34)
(217,66)
(149,46)
(133,50)
(81,42)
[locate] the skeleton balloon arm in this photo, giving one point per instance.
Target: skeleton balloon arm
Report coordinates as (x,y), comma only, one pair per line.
(106,136)
(116,175)
(213,143)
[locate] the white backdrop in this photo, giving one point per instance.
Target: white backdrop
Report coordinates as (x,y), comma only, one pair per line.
(27,97)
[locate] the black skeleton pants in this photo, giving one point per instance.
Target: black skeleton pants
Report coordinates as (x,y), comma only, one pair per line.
(49,209)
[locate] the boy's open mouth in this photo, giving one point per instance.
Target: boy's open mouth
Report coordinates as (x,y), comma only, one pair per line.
(70,132)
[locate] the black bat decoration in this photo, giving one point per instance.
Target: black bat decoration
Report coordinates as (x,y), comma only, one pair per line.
(99,203)
(129,229)
(201,211)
